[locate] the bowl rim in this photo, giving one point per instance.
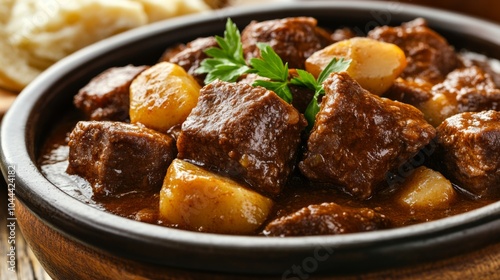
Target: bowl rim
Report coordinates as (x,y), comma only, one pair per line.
(81,222)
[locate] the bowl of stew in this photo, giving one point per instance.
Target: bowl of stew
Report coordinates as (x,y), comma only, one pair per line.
(394,169)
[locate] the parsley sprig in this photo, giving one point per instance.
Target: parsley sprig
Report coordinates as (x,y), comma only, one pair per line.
(271,66)
(227,63)
(306,79)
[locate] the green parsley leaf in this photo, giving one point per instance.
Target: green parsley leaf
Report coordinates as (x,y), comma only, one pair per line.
(280,88)
(306,79)
(335,65)
(226,62)
(271,66)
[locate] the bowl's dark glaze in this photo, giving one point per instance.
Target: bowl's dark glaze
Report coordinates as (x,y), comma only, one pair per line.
(50,96)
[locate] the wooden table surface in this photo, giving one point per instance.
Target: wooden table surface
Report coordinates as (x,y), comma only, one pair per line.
(481,264)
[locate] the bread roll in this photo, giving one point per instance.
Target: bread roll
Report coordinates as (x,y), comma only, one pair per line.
(35,34)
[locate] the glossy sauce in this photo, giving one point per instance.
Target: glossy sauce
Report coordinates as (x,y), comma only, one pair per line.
(298,192)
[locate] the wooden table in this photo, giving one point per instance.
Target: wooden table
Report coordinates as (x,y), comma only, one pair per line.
(28,267)
(481,264)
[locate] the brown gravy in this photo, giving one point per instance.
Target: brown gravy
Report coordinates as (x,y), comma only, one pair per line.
(297,194)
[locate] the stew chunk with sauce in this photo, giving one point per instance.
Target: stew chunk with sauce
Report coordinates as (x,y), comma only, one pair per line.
(117,158)
(470,143)
(358,137)
(159,145)
(245,132)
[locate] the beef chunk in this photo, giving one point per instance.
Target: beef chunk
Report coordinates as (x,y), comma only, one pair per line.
(117,158)
(301,97)
(170,52)
(327,218)
(248,133)
(106,97)
(191,56)
(470,146)
(358,137)
(409,91)
(488,65)
(473,89)
(341,34)
(467,89)
(293,39)
(430,58)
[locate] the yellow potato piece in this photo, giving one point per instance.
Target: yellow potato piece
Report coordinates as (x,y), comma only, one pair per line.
(374,64)
(196,199)
(426,188)
(437,109)
(163,96)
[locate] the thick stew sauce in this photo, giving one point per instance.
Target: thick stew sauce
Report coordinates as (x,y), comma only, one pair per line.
(288,129)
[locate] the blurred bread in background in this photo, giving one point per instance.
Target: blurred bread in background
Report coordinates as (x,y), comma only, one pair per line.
(35,34)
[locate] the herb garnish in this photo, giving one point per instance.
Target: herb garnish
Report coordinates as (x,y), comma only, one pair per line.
(227,63)
(271,66)
(306,79)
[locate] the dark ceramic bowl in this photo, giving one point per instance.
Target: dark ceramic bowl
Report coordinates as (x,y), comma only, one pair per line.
(75,240)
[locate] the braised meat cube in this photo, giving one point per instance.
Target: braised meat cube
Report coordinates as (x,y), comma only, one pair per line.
(341,34)
(245,132)
(488,65)
(464,90)
(170,52)
(106,97)
(117,158)
(293,39)
(327,218)
(190,56)
(409,91)
(301,97)
(430,58)
(473,89)
(358,137)
(470,148)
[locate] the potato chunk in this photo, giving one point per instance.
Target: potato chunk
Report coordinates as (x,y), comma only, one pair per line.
(375,65)
(162,96)
(195,199)
(426,188)
(438,108)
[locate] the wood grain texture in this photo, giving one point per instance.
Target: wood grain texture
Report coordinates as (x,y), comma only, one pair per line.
(27,265)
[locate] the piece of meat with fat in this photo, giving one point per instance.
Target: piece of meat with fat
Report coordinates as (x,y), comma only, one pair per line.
(358,137)
(469,146)
(107,96)
(293,39)
(472,88)
(468,89)
(341,34)
(117,158)
(430,57)
(245,132)
(326,219)
(409,91)
(487,64)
